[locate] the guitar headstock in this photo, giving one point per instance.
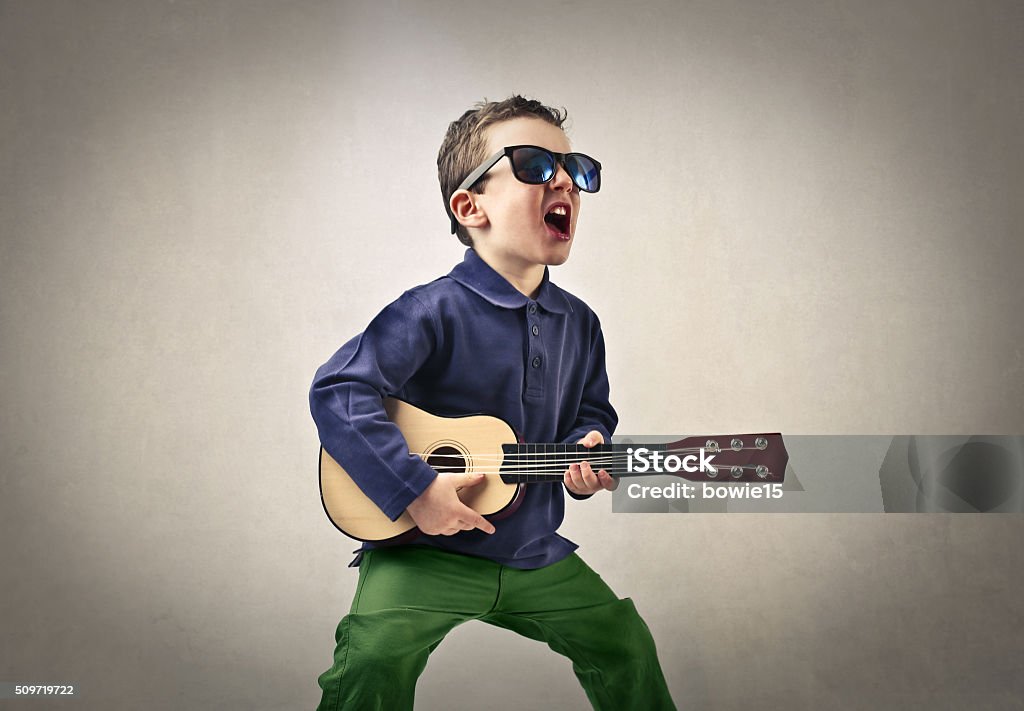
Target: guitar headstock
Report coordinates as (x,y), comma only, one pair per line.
(754,458)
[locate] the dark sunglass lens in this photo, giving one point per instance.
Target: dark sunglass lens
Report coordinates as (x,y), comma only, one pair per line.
(584,172)
(532,165)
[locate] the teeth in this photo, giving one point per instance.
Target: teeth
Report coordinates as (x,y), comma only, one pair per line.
(558,210)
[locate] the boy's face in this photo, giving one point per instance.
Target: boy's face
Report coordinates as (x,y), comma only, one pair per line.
(517,235)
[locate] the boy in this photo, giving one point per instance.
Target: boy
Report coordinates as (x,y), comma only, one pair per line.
(494,336)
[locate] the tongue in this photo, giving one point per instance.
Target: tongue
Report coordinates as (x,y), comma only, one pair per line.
(556,221)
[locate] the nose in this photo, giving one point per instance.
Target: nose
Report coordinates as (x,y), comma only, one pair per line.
(562,179)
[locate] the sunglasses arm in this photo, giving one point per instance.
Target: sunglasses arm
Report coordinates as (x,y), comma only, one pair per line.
(473,177)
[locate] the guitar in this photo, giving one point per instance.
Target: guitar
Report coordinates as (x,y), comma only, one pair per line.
(488,445)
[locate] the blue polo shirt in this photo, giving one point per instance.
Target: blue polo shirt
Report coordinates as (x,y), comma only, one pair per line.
(468,343)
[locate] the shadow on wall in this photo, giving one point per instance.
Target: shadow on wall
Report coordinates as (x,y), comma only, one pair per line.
(954,474)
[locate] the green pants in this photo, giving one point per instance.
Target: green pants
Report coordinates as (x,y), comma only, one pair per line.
(409,597)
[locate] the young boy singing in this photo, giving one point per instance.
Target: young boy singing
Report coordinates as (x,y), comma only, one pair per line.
(495,336)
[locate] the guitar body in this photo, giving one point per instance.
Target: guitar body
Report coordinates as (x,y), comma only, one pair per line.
(460,444)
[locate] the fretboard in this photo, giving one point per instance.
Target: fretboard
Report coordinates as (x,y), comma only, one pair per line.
(741,458)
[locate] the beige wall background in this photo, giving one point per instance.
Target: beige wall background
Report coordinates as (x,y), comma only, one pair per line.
(811,222)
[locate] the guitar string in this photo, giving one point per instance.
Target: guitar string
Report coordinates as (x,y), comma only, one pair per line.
(618,470)
(573,455)
(527,471)
(558,474)
(567,458)
(556,469)
(539,471)
(552,468)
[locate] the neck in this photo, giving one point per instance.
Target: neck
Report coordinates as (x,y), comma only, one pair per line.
(524,276)
(526,282)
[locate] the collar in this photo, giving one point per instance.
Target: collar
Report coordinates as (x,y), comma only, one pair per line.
(477,275)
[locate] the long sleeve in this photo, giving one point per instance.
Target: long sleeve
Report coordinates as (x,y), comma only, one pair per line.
(346,404)
(595,411)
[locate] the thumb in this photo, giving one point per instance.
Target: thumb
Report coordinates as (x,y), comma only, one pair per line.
(469,479)
(591,439)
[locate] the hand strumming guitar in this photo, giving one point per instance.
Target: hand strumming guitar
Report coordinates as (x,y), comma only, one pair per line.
(439,511)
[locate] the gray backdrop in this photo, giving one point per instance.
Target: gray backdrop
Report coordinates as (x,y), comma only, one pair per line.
(810,223)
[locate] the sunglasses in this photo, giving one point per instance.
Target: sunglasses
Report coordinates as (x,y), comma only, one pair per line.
(534,165)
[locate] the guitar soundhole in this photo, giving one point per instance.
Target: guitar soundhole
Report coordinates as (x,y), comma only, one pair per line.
(447,459)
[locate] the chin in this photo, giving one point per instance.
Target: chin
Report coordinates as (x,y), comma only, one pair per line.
(556,258)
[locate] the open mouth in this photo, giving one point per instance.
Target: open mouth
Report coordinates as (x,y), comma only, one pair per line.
(558,219)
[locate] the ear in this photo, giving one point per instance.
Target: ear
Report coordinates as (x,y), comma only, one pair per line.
(464,207)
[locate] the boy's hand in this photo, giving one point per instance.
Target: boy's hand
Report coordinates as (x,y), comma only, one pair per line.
(581,479)
(439,511)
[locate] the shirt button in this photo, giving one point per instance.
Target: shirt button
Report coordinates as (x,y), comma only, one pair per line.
(536,361)
(533,308)
(535,330)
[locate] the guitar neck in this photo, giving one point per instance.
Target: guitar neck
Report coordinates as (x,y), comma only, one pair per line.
(741,458)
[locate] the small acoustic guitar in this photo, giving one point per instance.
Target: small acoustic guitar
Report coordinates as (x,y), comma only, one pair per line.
(488,445)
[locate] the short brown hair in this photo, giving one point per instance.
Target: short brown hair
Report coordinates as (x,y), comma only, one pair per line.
(463,147)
